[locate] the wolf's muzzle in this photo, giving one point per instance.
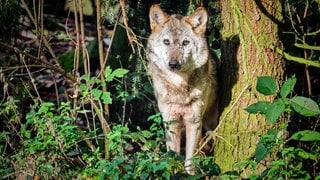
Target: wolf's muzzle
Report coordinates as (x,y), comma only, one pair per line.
(174,65)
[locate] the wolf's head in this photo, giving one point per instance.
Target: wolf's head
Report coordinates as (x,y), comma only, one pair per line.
(177,42)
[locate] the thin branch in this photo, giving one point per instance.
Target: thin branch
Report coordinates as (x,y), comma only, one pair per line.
(307,46)
(101,53)
(42,60)
(297,59)
(104,122)
(312,33)
(125,21)
(46,43)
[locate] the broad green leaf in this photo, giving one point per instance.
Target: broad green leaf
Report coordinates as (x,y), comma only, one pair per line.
(270,138)
(305,106)
(261,152)
(107,73)
(106,98)
(290,151)
(305,155)
(287,87)
(110,75)
(120,72)
(85,77)
(266,85)
(306,135)
(275,110)
(272,134)
(83,87)
(45,107)
(266,143)
(96,93)
(259,107)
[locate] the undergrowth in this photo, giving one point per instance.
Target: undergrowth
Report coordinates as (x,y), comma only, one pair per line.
(50,144)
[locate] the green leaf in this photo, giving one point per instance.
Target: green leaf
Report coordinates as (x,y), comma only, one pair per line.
(305,106)
(266,85)
(261,152)
(109,75)
(305,155)
(266,143)
(83,87)
(120,72)
(287,87)
(298,152)
(275,110)
(259,107)
(96,93)
(272,135)
(85,77)
(106,98)
(306,135)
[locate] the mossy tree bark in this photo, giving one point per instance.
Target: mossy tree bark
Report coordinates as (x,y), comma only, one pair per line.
(249,31)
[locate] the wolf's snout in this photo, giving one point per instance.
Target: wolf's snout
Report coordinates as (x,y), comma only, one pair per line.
(174,64)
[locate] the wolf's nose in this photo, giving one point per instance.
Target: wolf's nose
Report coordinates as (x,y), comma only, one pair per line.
(174,64)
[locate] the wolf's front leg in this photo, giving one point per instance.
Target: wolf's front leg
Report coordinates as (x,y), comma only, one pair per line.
(173,126)
(193,135)
(173,135)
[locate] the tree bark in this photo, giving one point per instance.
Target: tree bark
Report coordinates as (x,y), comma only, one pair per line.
(249,31)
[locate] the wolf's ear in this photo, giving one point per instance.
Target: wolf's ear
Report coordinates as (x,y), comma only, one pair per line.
(157,17)
(198,20)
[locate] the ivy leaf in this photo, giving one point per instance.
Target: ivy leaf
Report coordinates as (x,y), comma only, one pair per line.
(275,110)
(259,107)
(287,87)
(306,135)
(266,85)
(305,106)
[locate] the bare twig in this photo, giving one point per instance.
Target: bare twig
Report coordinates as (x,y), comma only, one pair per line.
(46,43)
(86,62)
(42,60)
(104,122)
(125,21)
(101,53)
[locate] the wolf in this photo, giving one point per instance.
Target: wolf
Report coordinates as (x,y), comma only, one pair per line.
(183,76)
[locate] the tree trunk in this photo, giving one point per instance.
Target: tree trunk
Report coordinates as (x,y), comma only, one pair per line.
(248,34)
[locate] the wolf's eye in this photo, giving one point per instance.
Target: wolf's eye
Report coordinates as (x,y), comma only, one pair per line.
(185,42)
(166,42)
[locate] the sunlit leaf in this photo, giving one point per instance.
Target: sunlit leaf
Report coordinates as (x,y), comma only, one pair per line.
(96,93)
(106,98)
(120,72)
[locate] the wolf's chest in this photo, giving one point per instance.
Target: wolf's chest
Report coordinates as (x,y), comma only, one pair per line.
(181,93)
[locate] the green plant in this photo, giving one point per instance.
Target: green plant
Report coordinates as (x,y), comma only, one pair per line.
(46,138)
(136,154)
(92,85)
(289,159)
(141,154)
